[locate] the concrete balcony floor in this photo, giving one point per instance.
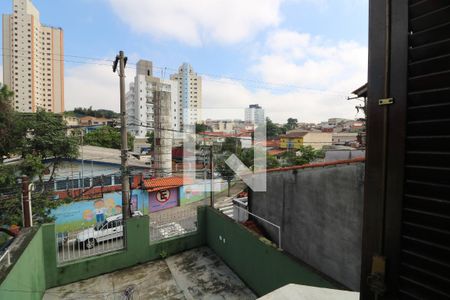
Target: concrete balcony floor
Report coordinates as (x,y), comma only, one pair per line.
(193,274)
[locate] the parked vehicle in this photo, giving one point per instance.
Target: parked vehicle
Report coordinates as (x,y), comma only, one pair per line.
(110,229)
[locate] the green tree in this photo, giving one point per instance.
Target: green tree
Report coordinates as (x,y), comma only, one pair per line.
(8,137)
(291,124)
(232,145)
(273,130)
(223,169)
(107,137)
(202,128)
(247,158)
(305,155)
(46,139)
(39,137)
(150,135)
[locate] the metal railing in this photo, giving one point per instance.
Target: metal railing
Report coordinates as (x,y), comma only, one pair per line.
(5,258)
(277,227)
(172,222)
(103,237)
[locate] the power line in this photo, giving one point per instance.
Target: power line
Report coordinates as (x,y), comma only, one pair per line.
(208,76)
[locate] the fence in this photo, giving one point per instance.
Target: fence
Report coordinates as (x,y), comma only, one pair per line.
(172,222)
(5,258)
(237,210)
(103,237)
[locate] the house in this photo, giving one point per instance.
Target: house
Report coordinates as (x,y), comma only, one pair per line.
(91,123)
(344,138)
(295,139)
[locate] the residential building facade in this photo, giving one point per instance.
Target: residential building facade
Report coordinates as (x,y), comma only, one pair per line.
(228,126)
(33,60)
(189,108)
(295,139)
(141,100)
(254,114)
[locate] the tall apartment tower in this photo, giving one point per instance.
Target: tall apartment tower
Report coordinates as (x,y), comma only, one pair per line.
(33,60)
(190,95)
(141,99)
(150,104)
(254,114)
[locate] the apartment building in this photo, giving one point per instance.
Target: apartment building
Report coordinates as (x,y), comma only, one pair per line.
(189,109)
(254,114)
(141,100)
(33,60)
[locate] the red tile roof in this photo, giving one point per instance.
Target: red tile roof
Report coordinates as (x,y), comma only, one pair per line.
(276,152)
(157,184)
(319,165)
(294,134)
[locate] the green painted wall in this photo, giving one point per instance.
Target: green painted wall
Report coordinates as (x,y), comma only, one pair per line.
(26,280)
(262,267)
(139,250)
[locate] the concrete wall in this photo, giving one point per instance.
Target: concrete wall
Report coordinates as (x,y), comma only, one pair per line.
(320,214)
(258,263)
(255,260)
(26,280)
(138,250)
(36,270)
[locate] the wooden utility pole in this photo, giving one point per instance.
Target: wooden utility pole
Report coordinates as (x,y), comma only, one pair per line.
(121,60)
(27,218)
(211,165)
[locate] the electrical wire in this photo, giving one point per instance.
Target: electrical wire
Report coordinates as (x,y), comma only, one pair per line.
(208,76)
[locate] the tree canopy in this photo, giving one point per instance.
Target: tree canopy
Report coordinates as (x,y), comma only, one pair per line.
(305,155)
(108,137)
(36,138)
(99,113)
(202,128)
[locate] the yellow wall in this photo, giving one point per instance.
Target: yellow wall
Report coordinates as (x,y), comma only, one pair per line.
(291,143)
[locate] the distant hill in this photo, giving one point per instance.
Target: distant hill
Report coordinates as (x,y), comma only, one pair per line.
(99,113)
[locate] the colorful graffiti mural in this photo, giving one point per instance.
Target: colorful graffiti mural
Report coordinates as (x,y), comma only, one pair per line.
(77,215)
(163,199)
(199,191)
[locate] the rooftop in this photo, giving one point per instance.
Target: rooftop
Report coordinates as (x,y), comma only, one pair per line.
(319,165)
(157,184)
(294,134)
(194,274)
(107,155)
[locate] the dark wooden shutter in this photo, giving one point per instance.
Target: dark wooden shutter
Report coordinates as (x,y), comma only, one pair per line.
(425,235)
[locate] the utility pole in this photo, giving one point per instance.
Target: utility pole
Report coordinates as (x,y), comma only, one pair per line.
(211,165)
(121,60)
(27,218)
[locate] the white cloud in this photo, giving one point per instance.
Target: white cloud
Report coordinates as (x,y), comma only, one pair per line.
(294,58)
(227,99)
(91,85)
(313,77)
(196,22)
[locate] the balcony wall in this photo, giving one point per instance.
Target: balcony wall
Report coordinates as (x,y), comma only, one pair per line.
(257,262)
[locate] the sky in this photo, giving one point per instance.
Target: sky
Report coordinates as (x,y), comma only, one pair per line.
(295,58)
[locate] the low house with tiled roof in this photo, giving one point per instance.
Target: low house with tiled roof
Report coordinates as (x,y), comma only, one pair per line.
(295,139)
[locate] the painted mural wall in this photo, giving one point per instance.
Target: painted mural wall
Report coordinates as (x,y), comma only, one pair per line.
(81,214)
(163,199)
(200,190)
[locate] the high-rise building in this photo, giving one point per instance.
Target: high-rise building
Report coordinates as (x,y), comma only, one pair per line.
(254,114)
(190,95)
(150,102)
(141,99)
(33,60)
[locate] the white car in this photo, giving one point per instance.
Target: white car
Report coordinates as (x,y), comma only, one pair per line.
(111,228)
